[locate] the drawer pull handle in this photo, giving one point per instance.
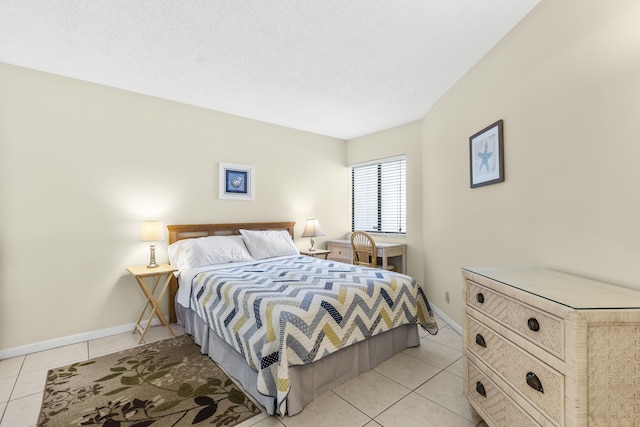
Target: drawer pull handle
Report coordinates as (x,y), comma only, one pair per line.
(480,297)
(480,341)
(534,382)
(480,389)
(533,324)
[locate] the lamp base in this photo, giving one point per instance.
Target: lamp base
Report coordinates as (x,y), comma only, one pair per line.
(152,256)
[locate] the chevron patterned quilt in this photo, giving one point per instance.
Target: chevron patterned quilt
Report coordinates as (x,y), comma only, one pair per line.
(293,311)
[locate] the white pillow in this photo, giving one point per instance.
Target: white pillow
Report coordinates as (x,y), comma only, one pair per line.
(269,243)
(203,251)
(176,253)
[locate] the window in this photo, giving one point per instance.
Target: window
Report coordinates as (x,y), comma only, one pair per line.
(379,196)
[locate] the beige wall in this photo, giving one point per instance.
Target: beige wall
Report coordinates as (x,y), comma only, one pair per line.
(566,81)
(406,139)
(82,165)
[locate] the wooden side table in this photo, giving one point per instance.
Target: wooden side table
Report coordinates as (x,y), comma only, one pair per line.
(316,253)
(140,272)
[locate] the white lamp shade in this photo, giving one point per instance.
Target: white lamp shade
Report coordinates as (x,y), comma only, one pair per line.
(152,231)
(312,229)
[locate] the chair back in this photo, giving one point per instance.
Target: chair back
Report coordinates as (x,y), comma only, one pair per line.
(363,248)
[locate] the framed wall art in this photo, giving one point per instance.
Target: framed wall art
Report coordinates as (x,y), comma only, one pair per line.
(486,155)
(236,181)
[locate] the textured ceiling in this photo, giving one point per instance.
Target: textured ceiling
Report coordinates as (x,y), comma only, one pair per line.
(343,68)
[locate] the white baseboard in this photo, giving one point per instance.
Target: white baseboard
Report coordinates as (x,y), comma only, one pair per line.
(447,319)
(68,340)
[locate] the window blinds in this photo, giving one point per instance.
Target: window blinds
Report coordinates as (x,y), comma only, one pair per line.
(379,196)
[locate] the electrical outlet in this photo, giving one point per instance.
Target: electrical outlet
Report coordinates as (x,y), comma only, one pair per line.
(446,297)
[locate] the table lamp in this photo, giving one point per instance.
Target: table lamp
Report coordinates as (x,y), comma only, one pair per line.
(312,229)
(152,231)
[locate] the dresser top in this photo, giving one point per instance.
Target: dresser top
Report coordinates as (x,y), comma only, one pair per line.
(572,291)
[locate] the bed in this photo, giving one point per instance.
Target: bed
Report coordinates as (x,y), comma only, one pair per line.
(287,327)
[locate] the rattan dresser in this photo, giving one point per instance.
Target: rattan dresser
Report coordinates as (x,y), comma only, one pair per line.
(547,348)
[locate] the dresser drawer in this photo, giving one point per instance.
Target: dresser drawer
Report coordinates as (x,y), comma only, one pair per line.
(500,408)
(340,253)
(543,329)
(541,385)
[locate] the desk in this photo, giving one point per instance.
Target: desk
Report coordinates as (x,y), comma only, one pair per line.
(387,253)
(140,272)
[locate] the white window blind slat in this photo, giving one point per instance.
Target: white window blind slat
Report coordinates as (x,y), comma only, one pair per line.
(379,197)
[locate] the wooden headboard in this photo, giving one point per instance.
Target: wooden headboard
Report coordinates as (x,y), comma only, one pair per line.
(181,232)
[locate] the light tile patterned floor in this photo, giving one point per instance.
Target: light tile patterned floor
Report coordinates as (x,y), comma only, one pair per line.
(421,386)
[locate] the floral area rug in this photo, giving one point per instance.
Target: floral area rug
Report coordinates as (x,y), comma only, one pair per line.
(166,383)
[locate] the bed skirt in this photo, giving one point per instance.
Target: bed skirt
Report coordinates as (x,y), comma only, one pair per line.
(306,381)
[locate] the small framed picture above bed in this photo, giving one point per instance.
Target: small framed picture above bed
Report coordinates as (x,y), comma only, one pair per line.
(236,181)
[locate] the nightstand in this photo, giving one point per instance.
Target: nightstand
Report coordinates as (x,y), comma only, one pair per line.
(140,272)
(316,253)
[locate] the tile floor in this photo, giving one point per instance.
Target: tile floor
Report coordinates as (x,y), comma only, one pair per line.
(422,386)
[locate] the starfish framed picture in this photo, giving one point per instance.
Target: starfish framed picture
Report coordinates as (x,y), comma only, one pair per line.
(236,182)
(486,156)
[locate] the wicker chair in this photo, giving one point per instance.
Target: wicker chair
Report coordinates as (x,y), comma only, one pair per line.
(363,248)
